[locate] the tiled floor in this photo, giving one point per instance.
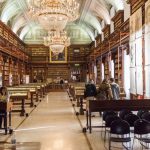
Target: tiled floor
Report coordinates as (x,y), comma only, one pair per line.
(51,126)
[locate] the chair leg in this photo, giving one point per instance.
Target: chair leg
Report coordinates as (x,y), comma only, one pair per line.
(105,135)
(109,144)
(133,143)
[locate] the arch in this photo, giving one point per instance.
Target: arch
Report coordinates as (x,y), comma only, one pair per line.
(93,21)
(10,6)
(88,30)
(118,4)
(18,22)
(24,31)
(101,11)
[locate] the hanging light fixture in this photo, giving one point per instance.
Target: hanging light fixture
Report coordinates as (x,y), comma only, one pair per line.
(57,40)
(54,13)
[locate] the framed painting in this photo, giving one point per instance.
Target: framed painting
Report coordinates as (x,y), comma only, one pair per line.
(58,57)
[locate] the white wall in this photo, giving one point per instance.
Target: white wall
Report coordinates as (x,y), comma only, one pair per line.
(126,74)
(103,24)
(111,27)
(127,10)
(102,35)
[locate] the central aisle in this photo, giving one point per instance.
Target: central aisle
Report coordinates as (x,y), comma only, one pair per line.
(53,126)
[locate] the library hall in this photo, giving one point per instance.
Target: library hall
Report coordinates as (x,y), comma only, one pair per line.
(74,74)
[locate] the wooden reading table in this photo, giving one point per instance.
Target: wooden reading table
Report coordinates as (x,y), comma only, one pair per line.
(20,95)
(26,89)
(114,105)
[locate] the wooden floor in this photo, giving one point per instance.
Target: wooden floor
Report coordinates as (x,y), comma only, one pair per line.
(53,125)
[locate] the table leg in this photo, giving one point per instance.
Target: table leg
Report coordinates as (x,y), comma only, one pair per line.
(87,119)
(22,108)
(5,122)
(81,106)
(37,97)
(31,104)
(10,119)
(78,103)
(90,127)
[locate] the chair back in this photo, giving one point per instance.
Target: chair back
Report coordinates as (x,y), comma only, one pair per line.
(107,113)
(109,119)
(119,127)
(124,112)
(141,126)
(131,118)
(146,116)
(141,112)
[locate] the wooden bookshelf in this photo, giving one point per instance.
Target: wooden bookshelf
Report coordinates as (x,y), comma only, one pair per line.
(15,73)
(98,72)
(6,71)
(106,68)
(21,71)
(55,71)
(118,66)
(1,64)
(1,70)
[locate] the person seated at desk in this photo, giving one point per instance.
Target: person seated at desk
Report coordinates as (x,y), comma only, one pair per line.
(3,98)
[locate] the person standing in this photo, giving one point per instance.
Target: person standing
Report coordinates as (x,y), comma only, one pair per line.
(4,97)
(115,89)
(90,91)
(34,79)
(61,82)
(104,91)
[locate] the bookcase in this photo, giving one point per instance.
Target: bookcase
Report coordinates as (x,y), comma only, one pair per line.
(106,68)
(98,72)
(118,66)
(59,71)
(76,74)
(21,71)
(40,73)
(1,70)
(1,64)
(15,74)
(6,72)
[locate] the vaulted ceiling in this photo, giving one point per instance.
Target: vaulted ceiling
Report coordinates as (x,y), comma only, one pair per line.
(14,13)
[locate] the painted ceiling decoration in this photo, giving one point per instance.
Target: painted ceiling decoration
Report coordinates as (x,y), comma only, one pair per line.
(15,14)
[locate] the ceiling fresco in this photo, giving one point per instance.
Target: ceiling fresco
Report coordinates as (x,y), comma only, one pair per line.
(14,13)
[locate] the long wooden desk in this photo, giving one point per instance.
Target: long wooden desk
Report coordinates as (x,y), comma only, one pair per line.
(114,105)
(44,86)
(38,87)
(17,96)
(33,91)
(5,108)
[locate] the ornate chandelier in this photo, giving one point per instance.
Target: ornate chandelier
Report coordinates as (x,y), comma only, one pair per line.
(57,40)
(54,13)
